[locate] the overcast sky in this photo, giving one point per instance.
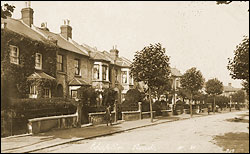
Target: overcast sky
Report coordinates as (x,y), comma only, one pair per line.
(195,34)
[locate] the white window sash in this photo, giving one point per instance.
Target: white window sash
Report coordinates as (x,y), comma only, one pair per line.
(38,62)
(14,58)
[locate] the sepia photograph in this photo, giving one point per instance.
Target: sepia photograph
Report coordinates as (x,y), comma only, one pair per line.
(124,76)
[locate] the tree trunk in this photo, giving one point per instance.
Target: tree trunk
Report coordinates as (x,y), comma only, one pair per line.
(190,103)
(214,105)
(151,108)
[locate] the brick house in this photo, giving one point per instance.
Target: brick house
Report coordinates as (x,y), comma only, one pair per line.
(73,62)
(29,57)
(75,65)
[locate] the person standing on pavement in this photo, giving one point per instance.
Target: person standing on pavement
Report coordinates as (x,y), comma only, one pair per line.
(108,115)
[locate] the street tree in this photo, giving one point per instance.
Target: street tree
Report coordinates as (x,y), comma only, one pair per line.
(151,66)
(192,81)
(239,65)
(7,10)
(214,87)
(239,97)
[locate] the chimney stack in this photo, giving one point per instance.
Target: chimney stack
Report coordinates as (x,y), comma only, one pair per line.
(66,29)
(27,14)
(114,52)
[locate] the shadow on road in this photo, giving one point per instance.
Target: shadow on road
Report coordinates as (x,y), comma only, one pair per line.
(233,142)
(80,132)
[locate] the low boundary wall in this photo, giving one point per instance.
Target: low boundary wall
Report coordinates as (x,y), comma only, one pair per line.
(44,124)
(100,118)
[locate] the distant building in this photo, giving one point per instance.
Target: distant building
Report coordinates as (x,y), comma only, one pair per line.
(229,90)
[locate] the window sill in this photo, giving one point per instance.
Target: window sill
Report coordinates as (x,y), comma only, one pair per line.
(38,68)
(100,81)
(60,72)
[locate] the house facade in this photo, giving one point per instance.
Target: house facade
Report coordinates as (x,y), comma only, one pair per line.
(28,63)
(229,90)
(74,65)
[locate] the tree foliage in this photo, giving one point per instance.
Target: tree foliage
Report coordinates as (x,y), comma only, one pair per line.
(88,95)
(214,87)
(151,65)
(192,80)
(239,65)
(109,97)
(133,96)
(239,96)
(7,10)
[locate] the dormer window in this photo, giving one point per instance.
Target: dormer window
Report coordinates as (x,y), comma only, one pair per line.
(14,54)
(38,61)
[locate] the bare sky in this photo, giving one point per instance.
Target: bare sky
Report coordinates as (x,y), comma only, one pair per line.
(195,34)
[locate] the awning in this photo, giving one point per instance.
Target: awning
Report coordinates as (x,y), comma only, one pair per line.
(78,82)
(40,75)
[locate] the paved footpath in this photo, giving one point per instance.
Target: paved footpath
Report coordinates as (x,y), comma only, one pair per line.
(32,143)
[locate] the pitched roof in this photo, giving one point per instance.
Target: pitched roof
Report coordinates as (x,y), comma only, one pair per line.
(78,82)
(19,27)
(120,61)
(69,45)
(36,33)
(230,89)
(40,75)
(175,72)
(95,54)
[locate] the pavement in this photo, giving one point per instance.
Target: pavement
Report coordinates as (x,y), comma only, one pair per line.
(55,137)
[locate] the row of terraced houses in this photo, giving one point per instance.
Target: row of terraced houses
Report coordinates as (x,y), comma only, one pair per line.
(76,65)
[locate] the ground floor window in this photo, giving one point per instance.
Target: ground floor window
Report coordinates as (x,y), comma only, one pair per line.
(47,93)
(33,91)
(73,93)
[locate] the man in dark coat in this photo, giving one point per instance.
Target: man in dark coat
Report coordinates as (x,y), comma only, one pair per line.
(108,115)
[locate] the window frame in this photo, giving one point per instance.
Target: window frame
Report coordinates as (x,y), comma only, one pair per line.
(71,92)
(49,93)
(59,63)
(104,73)
(126,78)
(11,55)
(41,61)
(77,67)
(97,73)
(33,90)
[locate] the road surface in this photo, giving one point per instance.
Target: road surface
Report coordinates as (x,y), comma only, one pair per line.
(192,135)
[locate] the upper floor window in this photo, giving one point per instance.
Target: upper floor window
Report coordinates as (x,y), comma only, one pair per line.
(96,72)
(77,67)
(38,61)
(104,72)
(124,77)
(59,63)
(14,54)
